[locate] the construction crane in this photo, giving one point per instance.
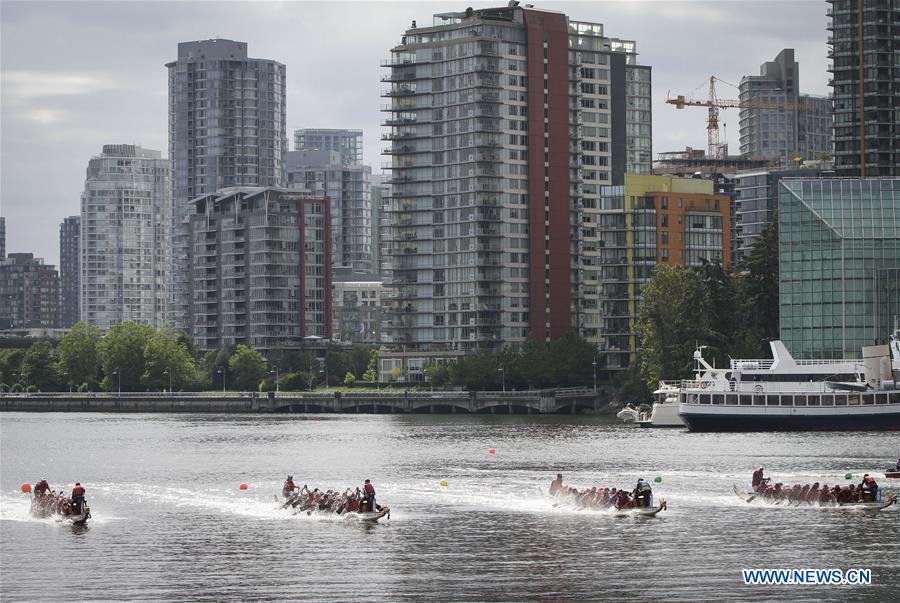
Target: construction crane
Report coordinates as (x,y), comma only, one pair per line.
(717,149)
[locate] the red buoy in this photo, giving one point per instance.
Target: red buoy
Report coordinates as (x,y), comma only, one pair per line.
(243,486)
(492,451)
(26,488)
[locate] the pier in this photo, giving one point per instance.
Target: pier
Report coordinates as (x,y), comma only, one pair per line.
(548,401)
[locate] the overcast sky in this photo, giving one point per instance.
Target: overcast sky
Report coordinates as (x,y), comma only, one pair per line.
(78,75)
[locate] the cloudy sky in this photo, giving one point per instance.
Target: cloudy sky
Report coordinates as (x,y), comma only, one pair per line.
(77,75)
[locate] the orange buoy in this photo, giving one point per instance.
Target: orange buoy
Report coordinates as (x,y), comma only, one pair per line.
(492,451)
(26,488)
(243,486)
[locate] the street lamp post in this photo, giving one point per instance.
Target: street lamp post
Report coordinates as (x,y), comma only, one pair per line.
(169,373)
(221,371)
(69,379)
(595,374)
(118,373)
(502,377)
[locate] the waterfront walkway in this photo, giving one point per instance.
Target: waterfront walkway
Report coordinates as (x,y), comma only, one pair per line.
(548,401)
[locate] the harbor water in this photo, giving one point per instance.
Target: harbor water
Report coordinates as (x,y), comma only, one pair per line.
(169,521)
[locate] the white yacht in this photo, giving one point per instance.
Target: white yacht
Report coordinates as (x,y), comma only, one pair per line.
(783,393)
(663,412)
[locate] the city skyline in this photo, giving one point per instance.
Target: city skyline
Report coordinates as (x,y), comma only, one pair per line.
(60,102)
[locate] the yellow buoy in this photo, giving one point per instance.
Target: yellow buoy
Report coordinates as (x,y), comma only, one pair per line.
(444,483)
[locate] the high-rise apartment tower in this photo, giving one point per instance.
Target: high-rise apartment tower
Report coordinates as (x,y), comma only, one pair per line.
(504,124)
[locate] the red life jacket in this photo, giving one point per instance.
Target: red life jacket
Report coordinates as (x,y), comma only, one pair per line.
(77,491)
(370,490)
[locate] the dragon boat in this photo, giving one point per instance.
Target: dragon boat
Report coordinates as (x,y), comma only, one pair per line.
(348,505)
(60,508)
(750,497)
(569,501)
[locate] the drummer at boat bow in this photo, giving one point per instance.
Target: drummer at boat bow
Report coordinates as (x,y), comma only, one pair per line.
(556,485)
(758,480)
(869,489)
(288,489)
(41,488)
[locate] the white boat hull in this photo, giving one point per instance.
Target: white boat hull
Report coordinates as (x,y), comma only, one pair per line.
(663,415)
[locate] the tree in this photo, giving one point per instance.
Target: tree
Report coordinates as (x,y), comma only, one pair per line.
(371,373)
(534,364)
(10,361)
(438,373)
(121,352)
(212,365)
(758,294)
(38,369)
(349,379)
(335,366)
(358,360)
(571,358)
(246,368)
(166,361)
(79,356)
(670,322)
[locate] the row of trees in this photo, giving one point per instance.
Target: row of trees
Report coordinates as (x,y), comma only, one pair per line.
(569,361)
(733,312)
(136,357)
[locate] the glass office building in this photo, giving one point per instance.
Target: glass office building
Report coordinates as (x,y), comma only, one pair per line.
(839,256)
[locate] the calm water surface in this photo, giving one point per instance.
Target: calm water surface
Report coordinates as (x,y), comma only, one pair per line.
(169,520)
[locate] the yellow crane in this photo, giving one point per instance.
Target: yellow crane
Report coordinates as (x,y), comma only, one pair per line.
(717,149)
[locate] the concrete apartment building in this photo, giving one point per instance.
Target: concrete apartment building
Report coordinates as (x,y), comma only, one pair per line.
(652,220)
(324,173)
(864,43)
(125,228)
(69,271)
(793,125)
(226,128)
(29,293)
(505,123)
(2,237)
(357,308)
(261,274)
(348,143)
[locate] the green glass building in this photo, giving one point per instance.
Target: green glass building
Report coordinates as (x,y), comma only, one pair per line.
(839,264)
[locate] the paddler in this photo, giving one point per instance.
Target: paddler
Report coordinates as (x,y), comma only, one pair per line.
(77,498)
(288,489)
(556,485)
(369,491)
(643,494)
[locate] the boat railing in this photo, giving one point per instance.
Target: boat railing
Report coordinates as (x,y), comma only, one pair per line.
(751,364)
(765,364)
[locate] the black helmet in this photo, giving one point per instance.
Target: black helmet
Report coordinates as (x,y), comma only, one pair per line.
(290,477)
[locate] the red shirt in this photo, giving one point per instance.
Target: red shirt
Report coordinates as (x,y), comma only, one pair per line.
(370,490)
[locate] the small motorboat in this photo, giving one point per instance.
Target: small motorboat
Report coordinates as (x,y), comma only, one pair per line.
(892,473)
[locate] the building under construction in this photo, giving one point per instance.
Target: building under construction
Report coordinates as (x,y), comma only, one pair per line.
(692,163)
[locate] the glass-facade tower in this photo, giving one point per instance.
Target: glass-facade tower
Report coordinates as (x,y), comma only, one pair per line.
(839,256)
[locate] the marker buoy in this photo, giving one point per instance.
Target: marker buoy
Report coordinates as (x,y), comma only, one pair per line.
(243,486)
(492,451)
(657,479)
(848,476)
(444,483)
(26,488)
